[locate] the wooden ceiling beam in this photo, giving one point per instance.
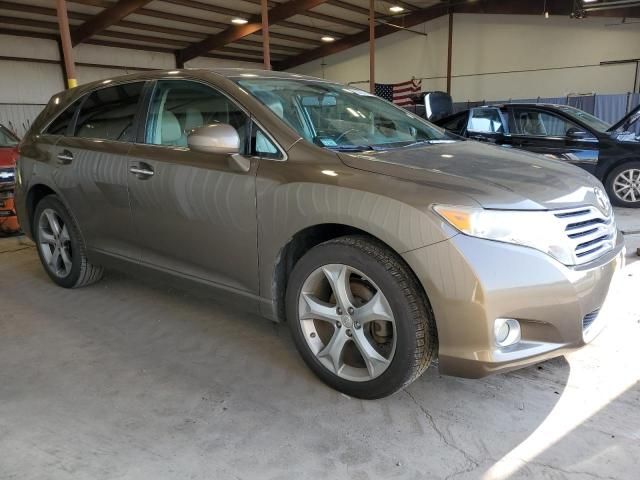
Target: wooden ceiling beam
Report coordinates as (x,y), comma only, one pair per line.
(106,18)
(506,7)
(317,16)
(146,27)
(415,18)
(212,24)
(234,33)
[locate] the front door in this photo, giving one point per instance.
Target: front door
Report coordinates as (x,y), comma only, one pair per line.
(486,124)
(550,134)
(92,167)
(194,213)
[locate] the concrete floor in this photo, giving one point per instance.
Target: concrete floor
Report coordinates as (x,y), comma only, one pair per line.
(128,381)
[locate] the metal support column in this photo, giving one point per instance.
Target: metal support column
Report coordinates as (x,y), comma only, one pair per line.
(372,47)
(65,42)
(264,10)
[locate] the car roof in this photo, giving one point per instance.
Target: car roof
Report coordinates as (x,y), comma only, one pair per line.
(523,104)
(229,73)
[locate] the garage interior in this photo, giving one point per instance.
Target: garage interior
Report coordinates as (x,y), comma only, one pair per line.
(136,379)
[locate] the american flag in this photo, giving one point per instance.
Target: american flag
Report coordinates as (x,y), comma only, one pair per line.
(401,94)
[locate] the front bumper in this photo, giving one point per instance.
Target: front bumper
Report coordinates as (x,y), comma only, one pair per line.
(470,282)
(8,218)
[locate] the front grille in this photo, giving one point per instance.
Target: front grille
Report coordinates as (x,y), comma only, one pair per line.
(591,233)
(589,318)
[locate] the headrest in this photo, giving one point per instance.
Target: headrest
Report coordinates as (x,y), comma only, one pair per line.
(271,101)
(171,131)
(193,118)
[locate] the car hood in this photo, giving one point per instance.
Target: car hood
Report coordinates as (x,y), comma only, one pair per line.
(495,177)
(8,156)
(626,121)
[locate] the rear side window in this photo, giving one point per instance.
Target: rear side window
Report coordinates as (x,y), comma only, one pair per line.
(109,113)
(60,126)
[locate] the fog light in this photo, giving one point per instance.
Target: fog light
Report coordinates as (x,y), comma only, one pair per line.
(506,331)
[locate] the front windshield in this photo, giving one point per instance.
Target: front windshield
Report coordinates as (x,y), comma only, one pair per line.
(7,139)
(339,117)
(586,118)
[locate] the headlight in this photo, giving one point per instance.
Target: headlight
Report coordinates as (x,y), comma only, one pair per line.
(7,175)
(535,229)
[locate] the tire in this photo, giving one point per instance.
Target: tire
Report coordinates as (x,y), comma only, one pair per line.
(71,269)
(400,347)
(627,173)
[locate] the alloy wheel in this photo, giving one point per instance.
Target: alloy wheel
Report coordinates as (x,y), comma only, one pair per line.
(347,322)
(626,185)
(55,243)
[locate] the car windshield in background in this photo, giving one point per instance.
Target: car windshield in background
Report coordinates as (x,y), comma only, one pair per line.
(586,118)
(341,118)
(7,139)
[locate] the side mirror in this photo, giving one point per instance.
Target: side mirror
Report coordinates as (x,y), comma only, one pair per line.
(219,138)
(576,134)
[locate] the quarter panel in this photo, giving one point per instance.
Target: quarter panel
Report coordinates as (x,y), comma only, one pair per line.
(34,166)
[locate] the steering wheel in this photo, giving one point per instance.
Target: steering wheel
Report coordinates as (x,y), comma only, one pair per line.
(343,134)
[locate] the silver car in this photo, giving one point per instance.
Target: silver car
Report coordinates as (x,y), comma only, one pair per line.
(383,241)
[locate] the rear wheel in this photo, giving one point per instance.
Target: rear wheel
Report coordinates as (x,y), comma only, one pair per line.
(359,318)
(61,247)
(623,185)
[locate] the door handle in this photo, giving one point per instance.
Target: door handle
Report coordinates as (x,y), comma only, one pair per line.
(65,157)
(142,171)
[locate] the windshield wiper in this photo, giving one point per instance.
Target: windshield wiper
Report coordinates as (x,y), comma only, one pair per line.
(351,148)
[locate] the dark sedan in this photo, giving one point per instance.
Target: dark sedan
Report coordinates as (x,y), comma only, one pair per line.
(610,152)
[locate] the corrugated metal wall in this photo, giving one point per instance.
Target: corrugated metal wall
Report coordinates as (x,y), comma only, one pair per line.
(19,117)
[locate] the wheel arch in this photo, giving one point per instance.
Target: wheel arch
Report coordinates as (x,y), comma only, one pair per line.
(303,241)
(611,167)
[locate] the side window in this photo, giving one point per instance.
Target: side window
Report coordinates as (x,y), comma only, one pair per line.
(538,123)
(181,105)
(486,120)
(60,126)
(262,145)
(109,113)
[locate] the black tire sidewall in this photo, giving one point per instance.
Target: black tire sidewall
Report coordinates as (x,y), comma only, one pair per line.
(609,185)
(401,367)
(53,203)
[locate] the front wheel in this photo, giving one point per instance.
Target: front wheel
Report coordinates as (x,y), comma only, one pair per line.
(359,318)
(623,185)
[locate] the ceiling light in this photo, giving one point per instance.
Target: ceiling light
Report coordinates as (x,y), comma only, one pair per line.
(589,1)
(327,38)
(396,9)
(239,21)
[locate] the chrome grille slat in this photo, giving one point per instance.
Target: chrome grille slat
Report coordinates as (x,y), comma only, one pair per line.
(590,232)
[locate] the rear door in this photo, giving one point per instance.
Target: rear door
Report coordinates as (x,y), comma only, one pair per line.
(92,166)
(548,133)
(195,214)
